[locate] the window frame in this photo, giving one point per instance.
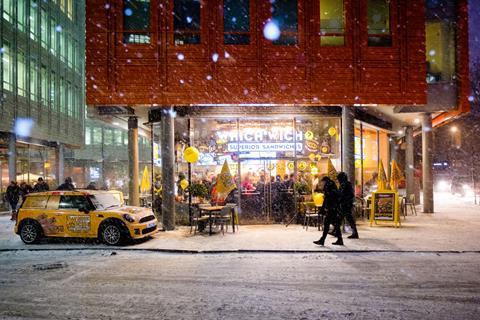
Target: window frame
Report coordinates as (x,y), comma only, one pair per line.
(202,32)
(251,32)
(392,23)
(148,32)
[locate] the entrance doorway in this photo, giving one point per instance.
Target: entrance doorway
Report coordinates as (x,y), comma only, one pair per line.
(267,190)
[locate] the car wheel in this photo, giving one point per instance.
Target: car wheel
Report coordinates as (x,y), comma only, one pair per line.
(112,234)
(30,232)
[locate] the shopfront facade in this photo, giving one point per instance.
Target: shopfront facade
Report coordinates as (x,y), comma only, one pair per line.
(275,156)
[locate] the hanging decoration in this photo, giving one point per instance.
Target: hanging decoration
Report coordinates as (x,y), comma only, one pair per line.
(191,154)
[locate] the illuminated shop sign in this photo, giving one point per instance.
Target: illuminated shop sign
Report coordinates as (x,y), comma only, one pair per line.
(274,139)
(264,147)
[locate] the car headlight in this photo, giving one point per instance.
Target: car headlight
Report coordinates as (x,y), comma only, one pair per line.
(442,185)
(128,218)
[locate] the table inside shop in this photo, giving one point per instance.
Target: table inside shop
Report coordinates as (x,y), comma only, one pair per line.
(211,210)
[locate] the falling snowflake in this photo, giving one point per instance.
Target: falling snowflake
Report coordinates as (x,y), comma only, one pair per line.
(271,31)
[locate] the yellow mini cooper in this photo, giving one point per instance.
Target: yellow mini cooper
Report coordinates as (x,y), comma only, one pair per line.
(82,214)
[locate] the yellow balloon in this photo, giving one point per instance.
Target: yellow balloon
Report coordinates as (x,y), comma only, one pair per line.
(191,154)
(290,166)
(332,131)
(183,184)
(318,199)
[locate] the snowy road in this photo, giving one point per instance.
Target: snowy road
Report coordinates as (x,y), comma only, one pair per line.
(146,285)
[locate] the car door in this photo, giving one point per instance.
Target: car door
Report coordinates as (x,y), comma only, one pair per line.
(77,224)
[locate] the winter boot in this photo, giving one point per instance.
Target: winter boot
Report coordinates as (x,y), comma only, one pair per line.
(320,242)
(339,242)
(354,235)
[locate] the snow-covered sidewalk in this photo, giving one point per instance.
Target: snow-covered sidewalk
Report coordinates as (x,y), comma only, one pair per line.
(454,227)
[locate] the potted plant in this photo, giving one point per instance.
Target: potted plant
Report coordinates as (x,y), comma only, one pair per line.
(198,190)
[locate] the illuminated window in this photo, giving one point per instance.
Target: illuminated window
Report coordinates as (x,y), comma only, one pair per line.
(33,80)
(52,90)
(8,10)
(236,22)
(21,16)
(33,20)
(136,21)
(285,16)
(44,28)
(53,37)
(7,66)
(44,85)
(21,73)
(332,23)
(186,21)
(70,9)
(63,105)
(378,23)
(88,135)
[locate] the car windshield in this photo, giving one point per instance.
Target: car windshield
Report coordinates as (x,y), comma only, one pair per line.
(105,201)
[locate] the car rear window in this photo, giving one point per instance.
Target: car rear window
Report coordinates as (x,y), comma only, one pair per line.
(35,202)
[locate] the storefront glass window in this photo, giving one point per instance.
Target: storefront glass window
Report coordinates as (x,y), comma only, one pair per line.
(186,21)
(236,21)
(285,16)
(332,23)
(370,161)
(136,21)
(359,157)
(378,23)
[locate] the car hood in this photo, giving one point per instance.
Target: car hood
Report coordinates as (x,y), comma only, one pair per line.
(136,211)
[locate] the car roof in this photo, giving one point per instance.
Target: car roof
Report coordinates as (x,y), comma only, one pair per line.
(78,192)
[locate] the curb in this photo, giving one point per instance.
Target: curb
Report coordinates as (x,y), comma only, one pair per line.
(240,251)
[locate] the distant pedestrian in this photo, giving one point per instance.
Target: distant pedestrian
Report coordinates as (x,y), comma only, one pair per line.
(25,189)
(67,185)
(92,186)
(41,186)
(12,195)
(331,211)
(347,196)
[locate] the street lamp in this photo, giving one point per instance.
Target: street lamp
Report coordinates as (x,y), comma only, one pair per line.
(453,129)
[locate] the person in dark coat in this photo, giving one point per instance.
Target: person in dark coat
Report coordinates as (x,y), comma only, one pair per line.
(347,196)
(40,186)
(331,211)
(25,189)
(67,185)
(12,195)
(92,186)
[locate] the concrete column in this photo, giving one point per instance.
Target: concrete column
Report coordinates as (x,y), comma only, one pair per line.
(60,165)
(427,157)
(348,142)
(12,157)
(133,175)
(409,167)
(167,150)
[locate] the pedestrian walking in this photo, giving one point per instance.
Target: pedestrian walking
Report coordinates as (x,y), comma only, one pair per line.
(12,195)
(41,186)
(331,211)
(347,196)
(67,185)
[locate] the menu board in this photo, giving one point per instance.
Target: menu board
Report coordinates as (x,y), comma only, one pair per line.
(385,207)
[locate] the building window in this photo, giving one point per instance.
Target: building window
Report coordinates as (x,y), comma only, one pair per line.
(52,90)
(97,136)
(63,105)
(33,80)
(285,16)
(88,135)
(332,23)
(186,21)
(8,10)
(69,100)
(107,137)
(21,74)
(53,37)
(33,20)
(7,66)
(21,16)
(118,137)
(136,21)
(44,28)
(378,23)
(70,9)
(236,22)
(44,85)
(63,46)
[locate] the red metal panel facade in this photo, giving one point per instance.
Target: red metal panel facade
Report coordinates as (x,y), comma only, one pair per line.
(258,73)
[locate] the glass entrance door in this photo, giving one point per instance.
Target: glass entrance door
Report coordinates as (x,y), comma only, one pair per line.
(267,194)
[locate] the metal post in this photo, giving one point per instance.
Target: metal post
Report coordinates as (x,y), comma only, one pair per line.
(168,169)
(59,154)
(427,152)
(348,142)
(409,167)
(133,171)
